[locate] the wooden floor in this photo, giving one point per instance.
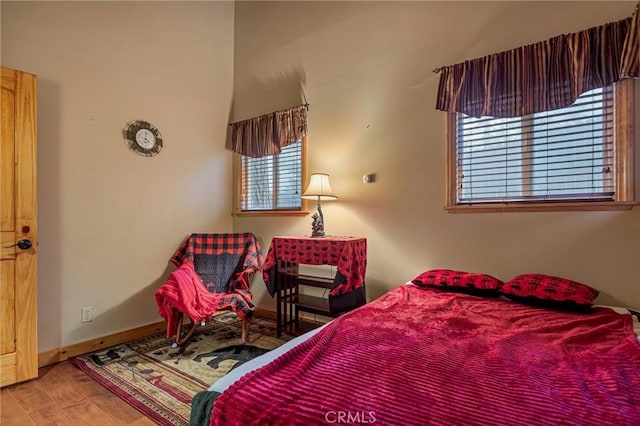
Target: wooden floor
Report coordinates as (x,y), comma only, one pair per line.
(64,395)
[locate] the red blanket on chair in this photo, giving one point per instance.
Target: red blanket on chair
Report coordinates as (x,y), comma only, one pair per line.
(184,292)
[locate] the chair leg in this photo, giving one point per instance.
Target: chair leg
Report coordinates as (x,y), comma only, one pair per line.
(181,342)
(245,329)
(178,331)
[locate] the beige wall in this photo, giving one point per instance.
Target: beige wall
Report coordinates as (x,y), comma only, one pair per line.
(366,70)
(110,219)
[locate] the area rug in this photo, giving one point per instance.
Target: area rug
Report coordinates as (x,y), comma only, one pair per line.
(160,382)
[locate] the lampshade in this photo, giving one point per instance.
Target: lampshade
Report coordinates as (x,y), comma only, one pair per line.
(319,187)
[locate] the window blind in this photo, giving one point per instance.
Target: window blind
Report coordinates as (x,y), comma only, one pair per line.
(273,182)
(560,155)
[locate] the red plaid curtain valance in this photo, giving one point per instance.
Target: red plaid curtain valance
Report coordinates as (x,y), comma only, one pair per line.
(269,133)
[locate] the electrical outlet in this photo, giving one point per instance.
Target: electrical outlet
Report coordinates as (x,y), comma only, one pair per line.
(86,314)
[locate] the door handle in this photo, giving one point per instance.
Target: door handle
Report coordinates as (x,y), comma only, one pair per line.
(22,245)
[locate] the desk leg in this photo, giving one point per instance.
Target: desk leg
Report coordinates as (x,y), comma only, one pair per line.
(279,288)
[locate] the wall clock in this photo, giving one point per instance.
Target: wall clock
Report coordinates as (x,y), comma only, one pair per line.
(142,138)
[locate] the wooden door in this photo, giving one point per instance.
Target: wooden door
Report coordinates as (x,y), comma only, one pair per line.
(18,264)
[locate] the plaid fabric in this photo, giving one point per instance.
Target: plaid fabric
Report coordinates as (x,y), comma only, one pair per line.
(242,244)
(186,292)
(546,287)
(448,279)
(349,254)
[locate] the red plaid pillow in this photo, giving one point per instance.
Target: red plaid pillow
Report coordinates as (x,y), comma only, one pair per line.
(465,282)
(550,291)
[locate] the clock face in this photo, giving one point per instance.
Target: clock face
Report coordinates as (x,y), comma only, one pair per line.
(143,138)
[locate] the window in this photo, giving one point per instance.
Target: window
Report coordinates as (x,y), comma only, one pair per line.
(271,184)
(569,158)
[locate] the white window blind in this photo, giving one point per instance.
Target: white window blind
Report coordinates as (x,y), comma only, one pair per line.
(561,155)
(273,182)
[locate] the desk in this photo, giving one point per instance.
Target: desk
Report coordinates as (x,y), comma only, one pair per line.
(282,276)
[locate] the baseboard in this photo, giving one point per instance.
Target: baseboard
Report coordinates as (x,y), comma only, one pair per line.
(48,357)
(264,313)
(60,354)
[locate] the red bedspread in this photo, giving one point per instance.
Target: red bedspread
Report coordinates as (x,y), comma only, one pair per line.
(419,356)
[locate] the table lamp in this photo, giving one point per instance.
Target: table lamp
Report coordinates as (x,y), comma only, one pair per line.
(319,188)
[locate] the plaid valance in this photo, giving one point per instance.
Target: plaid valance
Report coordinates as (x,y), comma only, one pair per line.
(539,77)
(269,133)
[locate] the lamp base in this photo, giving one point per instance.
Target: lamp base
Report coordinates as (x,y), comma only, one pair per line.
(317,226)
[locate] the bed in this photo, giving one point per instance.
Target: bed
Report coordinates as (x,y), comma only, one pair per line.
(420,355)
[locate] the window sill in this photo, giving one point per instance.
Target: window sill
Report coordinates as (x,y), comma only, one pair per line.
(541,207)
(267,213)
